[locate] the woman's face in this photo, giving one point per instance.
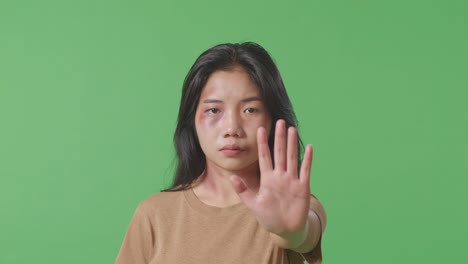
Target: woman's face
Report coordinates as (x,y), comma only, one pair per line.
(228,114)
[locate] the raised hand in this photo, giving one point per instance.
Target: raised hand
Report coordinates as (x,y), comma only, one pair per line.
(281,203)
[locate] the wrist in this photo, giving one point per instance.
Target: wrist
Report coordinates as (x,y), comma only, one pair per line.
(291,240)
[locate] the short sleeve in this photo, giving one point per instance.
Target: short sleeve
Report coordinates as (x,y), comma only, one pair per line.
(315,256)
(138,244)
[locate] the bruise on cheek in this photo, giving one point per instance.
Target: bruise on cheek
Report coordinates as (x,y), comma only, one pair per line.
(205,120)
(200,118)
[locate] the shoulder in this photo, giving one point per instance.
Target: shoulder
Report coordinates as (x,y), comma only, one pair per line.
(162,197)
(160,202)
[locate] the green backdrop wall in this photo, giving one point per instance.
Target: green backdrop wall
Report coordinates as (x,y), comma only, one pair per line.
(89,92)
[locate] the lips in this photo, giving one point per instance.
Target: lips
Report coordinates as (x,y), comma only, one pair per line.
(231,150)
(231,147)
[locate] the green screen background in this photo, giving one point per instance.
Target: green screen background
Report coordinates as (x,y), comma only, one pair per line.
(89,93)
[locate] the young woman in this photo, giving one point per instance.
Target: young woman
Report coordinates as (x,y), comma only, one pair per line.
(241,193)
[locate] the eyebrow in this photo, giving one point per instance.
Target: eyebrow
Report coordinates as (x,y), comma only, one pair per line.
(245,100)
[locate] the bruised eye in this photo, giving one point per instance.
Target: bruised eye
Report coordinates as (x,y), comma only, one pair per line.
(250,110)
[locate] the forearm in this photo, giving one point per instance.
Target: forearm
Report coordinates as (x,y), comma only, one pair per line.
(304,240)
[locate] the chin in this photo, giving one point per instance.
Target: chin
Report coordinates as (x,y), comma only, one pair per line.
(239,166)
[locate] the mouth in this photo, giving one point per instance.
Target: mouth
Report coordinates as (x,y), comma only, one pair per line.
(231,150)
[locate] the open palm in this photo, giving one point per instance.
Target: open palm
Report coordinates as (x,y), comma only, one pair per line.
(281,203)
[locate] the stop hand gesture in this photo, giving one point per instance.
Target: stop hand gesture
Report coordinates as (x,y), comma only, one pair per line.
(281,204)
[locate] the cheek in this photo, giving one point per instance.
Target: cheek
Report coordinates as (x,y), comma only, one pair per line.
(266,122)
(205,123)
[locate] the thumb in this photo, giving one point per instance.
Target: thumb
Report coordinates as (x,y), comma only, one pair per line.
(246,195)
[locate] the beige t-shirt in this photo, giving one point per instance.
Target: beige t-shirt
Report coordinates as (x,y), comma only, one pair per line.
(176,227)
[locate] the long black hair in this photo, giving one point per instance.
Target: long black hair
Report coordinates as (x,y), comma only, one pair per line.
(256,61)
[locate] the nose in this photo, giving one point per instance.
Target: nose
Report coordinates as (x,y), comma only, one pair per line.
(232,125)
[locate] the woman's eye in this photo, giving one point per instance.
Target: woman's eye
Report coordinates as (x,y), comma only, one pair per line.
(250,110)
(213,110)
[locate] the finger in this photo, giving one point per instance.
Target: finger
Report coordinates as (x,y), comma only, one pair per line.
(246,195)
(264,155)
(306,165)
(292,163)
(280,145)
